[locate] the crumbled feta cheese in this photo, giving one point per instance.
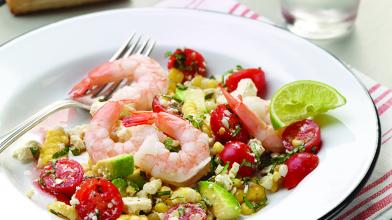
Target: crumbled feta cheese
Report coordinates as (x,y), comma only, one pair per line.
(246,188)
(226,112)
(58,181)
(283,170)
(74,201)
(185,194)
(256,146)
(153,186)
(234,170)
(30,193)
(23,154)
(219,169)
(135,204)
(266,181)
(225,180)
(245,88)
(225,122)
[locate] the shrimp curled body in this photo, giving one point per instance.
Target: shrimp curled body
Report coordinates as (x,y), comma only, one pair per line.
(98,139)
(146,143)
(146,76)
(178,168)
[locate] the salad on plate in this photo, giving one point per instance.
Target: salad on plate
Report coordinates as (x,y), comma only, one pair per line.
(180,145)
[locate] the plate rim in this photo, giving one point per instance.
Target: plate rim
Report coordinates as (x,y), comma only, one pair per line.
(338,208)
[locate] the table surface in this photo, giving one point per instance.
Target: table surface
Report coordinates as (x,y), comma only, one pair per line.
(368,48)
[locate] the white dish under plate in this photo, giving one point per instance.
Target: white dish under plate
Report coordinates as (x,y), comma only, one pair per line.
(41,66)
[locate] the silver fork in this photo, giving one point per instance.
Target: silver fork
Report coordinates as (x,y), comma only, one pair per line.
(102,93)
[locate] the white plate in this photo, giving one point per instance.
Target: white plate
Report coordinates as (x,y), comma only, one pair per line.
(40,67)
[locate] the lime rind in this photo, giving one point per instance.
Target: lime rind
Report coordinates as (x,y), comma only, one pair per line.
(302,99)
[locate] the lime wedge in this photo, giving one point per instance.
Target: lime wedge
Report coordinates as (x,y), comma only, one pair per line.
(302,99)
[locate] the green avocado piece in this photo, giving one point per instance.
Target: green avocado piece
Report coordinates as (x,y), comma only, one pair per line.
(224,204)
(137,179)
(121,185)
(115,167)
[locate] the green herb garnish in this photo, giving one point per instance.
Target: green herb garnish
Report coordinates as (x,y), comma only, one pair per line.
(61,152)
(163,193)
(169,144)
(168,53)
(236,131)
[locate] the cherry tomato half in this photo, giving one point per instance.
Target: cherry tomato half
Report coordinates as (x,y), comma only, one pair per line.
(256,75)
(189,62)
(306,131)
(226,126)
(299,166)
(61,177)
(235,151)
(98,199)
(185,211)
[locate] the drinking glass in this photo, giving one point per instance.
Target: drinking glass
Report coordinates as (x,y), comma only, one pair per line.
(320,19)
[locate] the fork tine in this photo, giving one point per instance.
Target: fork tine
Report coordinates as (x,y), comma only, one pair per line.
(141,48)
(132,47)
(149,48)
(122,48)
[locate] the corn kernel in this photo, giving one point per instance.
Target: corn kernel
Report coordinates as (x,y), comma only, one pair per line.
(209,83)
(217,148)
(239,195)
(161,207)
(196,81)
(297,143)
(130,191)
(238,183)
(221,130)
(175,75)
(256,193)
(153,216)
(245,210)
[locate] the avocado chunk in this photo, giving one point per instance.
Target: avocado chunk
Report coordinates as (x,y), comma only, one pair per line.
(224,204)
(115,167)
(121,185)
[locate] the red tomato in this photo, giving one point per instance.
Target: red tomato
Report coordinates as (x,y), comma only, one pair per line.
(61,177)
(307,131)
(99,198)
(299,165)
(256,75)
(189,62)
(226,126)
(235,151)
(185,211)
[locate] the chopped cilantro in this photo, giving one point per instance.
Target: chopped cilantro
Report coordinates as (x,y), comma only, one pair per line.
(76,150)
(248,203)
(181,86)
(197,122)
(169,144)
(168,53)
(209,95)
(35,151)
(61,152)
(163,193)
(246,163)
(236,131)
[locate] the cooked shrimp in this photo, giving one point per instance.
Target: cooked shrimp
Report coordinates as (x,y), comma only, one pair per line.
(146,75)
(98,137)
(254,124)
(178,168)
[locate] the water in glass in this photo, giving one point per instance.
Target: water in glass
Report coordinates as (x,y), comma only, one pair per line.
(320,19)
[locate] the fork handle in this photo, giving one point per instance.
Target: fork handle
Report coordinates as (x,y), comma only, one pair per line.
(35,119)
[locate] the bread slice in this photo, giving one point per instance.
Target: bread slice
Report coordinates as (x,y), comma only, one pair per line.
(26,6)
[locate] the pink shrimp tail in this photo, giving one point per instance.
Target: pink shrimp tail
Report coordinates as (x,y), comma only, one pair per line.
(81,88)
(139,118)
